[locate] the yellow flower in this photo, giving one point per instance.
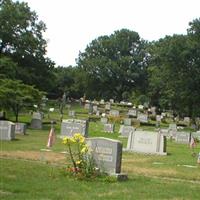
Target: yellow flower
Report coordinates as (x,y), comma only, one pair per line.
(67,140)
(79,138)
(84,149)
(78,162)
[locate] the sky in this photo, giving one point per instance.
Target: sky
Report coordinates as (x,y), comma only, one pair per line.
(73,24)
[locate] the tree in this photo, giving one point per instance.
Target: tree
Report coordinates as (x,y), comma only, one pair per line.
(21,39)
(15,95)
(114,65)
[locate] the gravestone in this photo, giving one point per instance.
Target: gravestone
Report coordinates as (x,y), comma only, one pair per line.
(112,101)
(147,142)
(125,130)
(71,113)
(90,110)
(114,113)
(127,122)
(108,106)
(186,120)
(95,108)
(158,118)
(71,126)
(132,113)
(183,137)
(142,118)
(196,135)
(104,120)
(107,154)
(109,128)
(7,130)
(20,128)
(172,127)
(36,122)
(98,113)
(87,106)
(165,132)
(102,102)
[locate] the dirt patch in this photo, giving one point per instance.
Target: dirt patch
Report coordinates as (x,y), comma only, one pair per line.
(51,157)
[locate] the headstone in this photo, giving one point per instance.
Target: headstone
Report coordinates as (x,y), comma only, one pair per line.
(112,101)
(186,120)
(20,128)
(132,113)
(7,130)
(98,113)
(127,121)
(158,118)
(153,111)
(36,122)
(71,113)
(147,142)
(142,118)
(114,113)
(71,126)
(87,105)
(196,135)
(165,132)
(107,154)
(172,127)
(104,120)
(102,102)
(90,110)
(95,108)
(183,137)
(109,128)
(140,107)
(107,106)
(125,130)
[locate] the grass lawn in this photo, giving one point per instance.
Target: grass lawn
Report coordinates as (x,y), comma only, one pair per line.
(27,172)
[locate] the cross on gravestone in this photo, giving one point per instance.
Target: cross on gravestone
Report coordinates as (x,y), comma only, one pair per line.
(36,122)
(20,128)
(71,126)
(125,130)
(7,130)
(107,154)
(109,128)
(147,142)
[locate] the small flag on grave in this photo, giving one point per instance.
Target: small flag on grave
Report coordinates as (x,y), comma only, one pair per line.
(51,138)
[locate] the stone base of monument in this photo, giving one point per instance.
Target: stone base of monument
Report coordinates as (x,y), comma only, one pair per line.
(120,176)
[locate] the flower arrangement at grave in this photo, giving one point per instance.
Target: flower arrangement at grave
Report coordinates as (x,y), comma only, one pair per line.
(81,164)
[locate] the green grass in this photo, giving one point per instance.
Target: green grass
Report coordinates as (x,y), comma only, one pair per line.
(175,176)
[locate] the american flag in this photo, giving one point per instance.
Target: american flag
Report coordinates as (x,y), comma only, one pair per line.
(51,138)
(192,143)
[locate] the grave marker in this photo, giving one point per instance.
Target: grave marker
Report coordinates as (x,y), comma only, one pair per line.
(36,122)
(71,126)
(109,128)
(147,142)
(20,128)
(107,154)
(7,130)
(125,130)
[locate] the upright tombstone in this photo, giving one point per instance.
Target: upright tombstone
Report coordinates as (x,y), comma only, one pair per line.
(187,121)
(71,113)
(20,128)
(127,122)
(147,142)
(132,113)
(112,101)
(71,126)
(196,135)
(109,128)
(114,113)
(108,106)
(104,120)
(95,108)
(172,130)
(125,130)
(102,102)
(183,137)
(7,130)
(36,122)
(142,118)
(107,154)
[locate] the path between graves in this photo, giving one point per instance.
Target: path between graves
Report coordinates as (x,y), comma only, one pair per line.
(59,159)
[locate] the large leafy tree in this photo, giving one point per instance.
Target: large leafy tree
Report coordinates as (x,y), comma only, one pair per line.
(174,72)
(21,39)
(115,65)
(15,96)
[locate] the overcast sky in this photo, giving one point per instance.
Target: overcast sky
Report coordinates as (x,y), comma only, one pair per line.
(73,24)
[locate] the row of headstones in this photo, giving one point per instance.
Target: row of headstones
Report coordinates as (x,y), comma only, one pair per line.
(108,153)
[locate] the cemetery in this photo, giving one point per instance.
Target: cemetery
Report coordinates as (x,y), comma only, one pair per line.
(122,122)
(123,151)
